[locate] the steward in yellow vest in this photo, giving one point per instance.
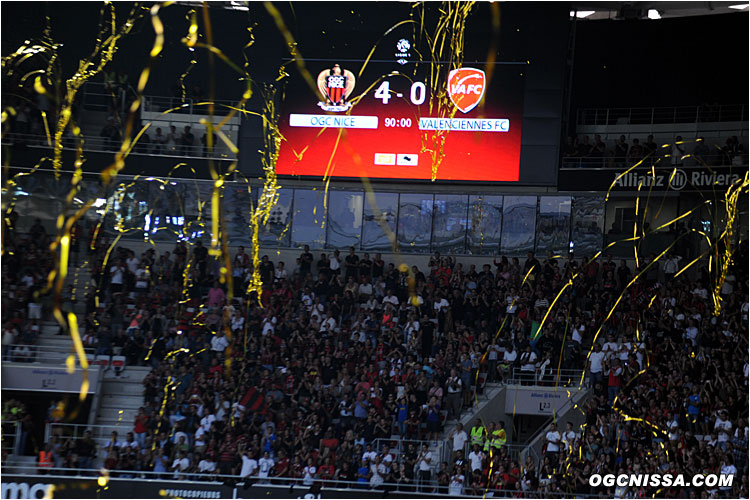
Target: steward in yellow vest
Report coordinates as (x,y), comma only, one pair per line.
(477,434)
(499,437)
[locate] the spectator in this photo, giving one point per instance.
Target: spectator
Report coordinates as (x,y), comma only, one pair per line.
(219,343)
(456,488)
(598,153)
(187,140)
(111,134)
(208,151)
(216,296)
(613,370)
(144,141)
(595,364)
(702,152)
(249,464)
(678,152)
(117,277)
(570,150)
(159,142)
(733,152)
(584,148)
(180,465)
(424,461)
(636,152)
(171,140)
(620,152)
(459,438)
(454,391)
(553,441)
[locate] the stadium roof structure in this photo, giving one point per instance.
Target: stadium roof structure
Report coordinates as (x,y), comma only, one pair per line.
(593,11)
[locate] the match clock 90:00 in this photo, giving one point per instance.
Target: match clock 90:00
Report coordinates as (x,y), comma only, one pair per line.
(398,122)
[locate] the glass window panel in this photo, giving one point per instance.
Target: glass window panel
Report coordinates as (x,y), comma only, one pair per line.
(619,220)
(344,224)
(238,205)
(553,225)
(373,236)
(277,232)
(519,219)
(130,206)
(146,206)
(485,222)
(174,209)
(587,225)
(415,222)
(54,187)
(450,222)
(308,219)
(193,193)
(30,208)
(91,190)
(37,196)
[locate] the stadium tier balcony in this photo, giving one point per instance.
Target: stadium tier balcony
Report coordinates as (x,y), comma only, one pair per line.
(713,135)
(101,113)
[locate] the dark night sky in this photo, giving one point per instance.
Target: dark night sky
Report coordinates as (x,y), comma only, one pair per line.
(617,63)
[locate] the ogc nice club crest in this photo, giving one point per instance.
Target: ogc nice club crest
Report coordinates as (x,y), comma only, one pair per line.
(335,85)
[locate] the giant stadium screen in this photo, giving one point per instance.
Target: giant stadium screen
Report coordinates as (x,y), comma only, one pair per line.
(402,120)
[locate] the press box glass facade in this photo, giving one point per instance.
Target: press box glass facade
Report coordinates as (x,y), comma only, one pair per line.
(461,224)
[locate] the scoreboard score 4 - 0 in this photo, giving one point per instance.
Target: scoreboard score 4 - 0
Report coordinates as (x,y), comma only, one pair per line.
(376,121)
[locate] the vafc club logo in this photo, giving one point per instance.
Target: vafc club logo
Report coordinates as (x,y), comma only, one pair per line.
(335,85)
(466,88)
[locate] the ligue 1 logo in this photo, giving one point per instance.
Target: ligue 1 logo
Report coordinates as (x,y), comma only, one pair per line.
(403,47)
(335,85)
(466,88)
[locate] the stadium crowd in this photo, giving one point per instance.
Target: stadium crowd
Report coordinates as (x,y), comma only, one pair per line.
(670,394)
(25,266)
(587,153)
(348,355)
(349,350)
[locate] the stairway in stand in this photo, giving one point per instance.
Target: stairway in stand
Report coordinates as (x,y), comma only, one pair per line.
(54,344)
(121,396)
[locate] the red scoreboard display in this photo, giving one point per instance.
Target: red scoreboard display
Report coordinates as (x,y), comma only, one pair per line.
(385,123)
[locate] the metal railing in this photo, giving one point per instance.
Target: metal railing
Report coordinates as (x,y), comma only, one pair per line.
(609,161)
(97,96)
(515,451)
(104,145)
(561,378)
(11,430)
(100,434)
(188,106)
(414,486)
(440,449)
(661,115)
(30,353)
(533,442)
(102,97)
(76,431)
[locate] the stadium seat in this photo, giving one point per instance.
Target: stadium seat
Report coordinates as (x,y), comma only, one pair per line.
(103,361)
(118,363)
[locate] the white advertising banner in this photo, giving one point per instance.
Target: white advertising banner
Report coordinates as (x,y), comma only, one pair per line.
(520,400)
(18,377)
